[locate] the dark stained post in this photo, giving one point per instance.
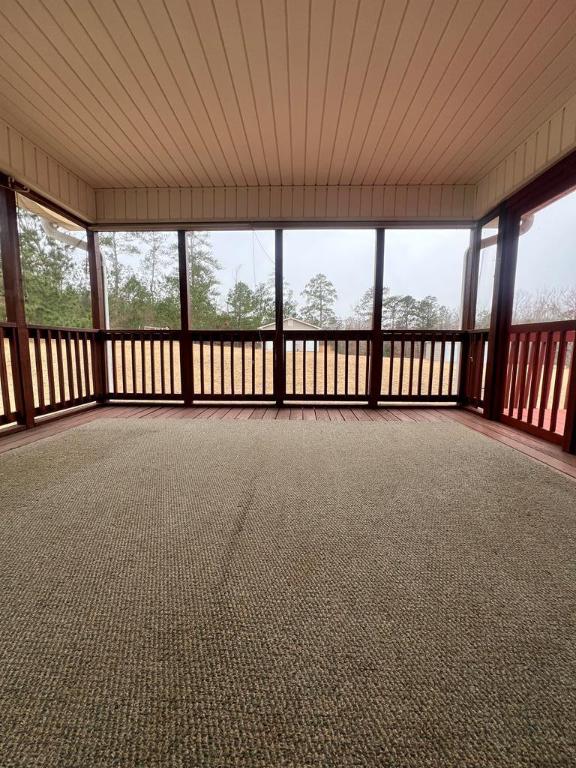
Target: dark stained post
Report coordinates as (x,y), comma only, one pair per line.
(15,309)
(376,346)
(470,279)
(279,368)
(502,304)
(99,316)
(186,346)
(469,296)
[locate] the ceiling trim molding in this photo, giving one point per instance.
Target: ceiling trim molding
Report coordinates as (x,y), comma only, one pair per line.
(549,143)
(36,169)
(298,203)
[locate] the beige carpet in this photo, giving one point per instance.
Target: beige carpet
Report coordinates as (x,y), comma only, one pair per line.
(284,594)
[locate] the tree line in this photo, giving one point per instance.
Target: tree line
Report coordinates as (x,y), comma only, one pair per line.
(143,289)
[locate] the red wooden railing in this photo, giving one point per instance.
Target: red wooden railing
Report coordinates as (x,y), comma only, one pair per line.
(421,366)
(61,360)
(538,377)
(143,365)
(326,365)
(231,365)
(416,366)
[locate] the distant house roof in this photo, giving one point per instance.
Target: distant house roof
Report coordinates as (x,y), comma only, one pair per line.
(291,323)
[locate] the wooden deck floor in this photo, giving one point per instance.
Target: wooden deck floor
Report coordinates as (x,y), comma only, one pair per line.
(534,447)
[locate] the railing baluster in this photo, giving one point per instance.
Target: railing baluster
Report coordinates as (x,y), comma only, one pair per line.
(523,372)
(243,359)
(391,365)
(123,359)
(162,367)
(431,367)
(86,358)
(39,372)
(134,386)
(315,375)
(559,380)
(534,378)
(421,363)
(76,343)
(50,368)
(346,367)
(336,345)
(411,372)
(60,362)
(401,366)
(4,387)
(202,366)
(546,378)
(304,366)
(232,364)
(451,368)
(441,375)
(294,345)
(367,362)
(143,361)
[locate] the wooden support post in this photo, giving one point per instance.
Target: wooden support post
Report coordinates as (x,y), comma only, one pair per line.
(99,316)
(15,308)
(376,346)
(279,357)
(470,280)
(186,346)
(569,439)
(502,305)
(469,297)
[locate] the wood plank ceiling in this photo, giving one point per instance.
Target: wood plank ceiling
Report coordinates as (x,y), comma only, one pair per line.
(179,93)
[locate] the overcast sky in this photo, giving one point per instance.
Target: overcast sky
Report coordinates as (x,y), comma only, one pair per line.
(419,262)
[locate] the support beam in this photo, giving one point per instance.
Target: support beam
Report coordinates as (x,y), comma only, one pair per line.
(376,347)
(469,298)
(502,305)
(99,316)
(279,367)
(186,347)
(470,279)
(15,307)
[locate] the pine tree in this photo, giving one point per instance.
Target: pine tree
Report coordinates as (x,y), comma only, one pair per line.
(241,306)
(362,312)
(55,275)
(202,281)
(319,298)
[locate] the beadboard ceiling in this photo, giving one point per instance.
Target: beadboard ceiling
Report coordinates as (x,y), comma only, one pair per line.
(242,93)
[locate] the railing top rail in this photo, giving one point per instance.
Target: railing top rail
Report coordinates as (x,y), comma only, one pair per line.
(328,334)
(61,329)
(227,334)
(167,332)
(429,333)
(5,324)
(558,325)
